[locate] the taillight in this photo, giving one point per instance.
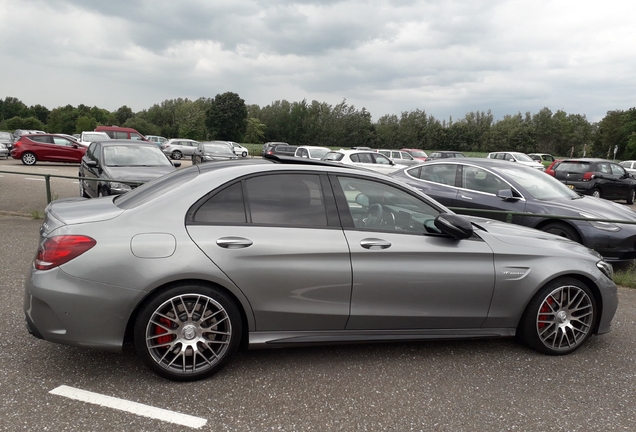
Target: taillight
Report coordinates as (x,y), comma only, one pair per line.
(588,176)
(58,250)
(550,172)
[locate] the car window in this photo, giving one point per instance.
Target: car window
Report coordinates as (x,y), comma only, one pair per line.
(62,141)
(333,156)
(382,160)
(438,173)
(286,199)
(226,206)
(480,180)
(362,158)
(377,206)
(135,136)
(405,155)
(617,170)
(603,168)
(41,139)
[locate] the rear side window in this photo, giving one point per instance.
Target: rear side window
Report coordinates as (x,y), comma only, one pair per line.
(286,199)
(227,206)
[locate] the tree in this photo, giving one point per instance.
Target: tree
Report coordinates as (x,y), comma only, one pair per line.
(255,131)
(123,114)
(226,118)
(24,123)
(85,123)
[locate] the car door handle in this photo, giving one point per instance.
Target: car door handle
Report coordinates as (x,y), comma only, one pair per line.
(234,242)
(374,244)
(466,197)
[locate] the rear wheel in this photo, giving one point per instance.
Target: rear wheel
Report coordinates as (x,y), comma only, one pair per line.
(596,193)
(177,155)
(631,197)
(29,158)
(562,230)
(559,318)
(188,332)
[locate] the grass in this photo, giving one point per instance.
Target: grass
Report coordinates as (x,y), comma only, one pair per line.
(36,214)
(626,277)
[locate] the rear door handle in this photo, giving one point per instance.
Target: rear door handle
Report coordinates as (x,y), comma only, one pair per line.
(234,242)
(374,243)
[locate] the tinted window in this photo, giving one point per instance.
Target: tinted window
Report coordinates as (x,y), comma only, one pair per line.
(286,199)
(478,179)
(227,206)
(439,173)
(41,139)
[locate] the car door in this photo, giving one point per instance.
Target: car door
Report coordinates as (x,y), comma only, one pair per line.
(91,171)
(405,274)
(43,147)
(623,183)
(436,180)
(279,239)
(66,150)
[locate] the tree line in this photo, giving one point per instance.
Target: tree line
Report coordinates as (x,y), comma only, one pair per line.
(228,117)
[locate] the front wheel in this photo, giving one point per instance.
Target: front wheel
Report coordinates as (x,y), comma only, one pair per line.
(188,332)
(562,230)
(82,190)
(631,197)
(244,154)
(176,155)
(559,318)
(29,158)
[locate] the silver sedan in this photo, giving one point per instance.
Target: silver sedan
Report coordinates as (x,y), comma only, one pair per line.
(250,252)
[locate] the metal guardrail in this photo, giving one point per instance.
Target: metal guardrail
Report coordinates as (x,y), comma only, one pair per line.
(47,180)
(460,210)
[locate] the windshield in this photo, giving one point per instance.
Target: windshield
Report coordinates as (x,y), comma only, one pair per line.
(218,149)
(333,156)
(523,157)
(538,184)
(417,153)
(318,152)
(134,155)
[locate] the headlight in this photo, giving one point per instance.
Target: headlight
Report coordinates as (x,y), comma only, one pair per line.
(606,269)
(605,226)
(120,186)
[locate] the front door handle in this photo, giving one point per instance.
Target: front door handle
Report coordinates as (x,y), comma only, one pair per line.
(466,197)
(374,243)
(234,242)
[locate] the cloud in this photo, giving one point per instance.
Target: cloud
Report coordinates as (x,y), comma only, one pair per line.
(447,58)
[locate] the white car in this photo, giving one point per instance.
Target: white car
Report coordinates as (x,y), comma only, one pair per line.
(399,156)
(87,137)
(311,152)
(238,149)
(364,159)
(519,157)
(630,166)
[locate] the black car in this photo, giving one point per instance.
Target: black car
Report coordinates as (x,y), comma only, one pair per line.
(108,166)
(212,151)
(269,145)
(597,177)
(283,150)
(481,184)
(444,154)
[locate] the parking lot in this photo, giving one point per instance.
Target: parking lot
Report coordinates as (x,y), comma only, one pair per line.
(446,386)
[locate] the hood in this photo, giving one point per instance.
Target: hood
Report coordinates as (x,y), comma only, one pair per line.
(141,173)
(501,236)
(595,206)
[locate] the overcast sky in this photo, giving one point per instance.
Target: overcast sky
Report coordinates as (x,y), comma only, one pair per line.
(446,57)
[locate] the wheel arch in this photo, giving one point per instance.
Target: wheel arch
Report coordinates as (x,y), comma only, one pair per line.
(129,332)
(565,222)
(598,298)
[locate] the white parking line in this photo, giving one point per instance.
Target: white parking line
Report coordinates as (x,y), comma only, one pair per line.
(128,406)
(36,179)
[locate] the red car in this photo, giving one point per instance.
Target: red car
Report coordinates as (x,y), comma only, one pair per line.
(550,169)
(47,148)
(416,153)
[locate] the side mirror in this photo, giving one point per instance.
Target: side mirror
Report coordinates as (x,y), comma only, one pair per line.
(456,226)
(506,194)
(91,163)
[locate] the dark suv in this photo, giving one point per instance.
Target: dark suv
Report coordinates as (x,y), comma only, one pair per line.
(597,177)
(269,145)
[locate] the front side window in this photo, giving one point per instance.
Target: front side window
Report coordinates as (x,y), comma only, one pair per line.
(377,206)
(480,180)
(382,160)
(617,170)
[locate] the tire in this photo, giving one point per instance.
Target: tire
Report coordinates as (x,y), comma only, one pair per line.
(559,318)
(173,340)
(29,158)
(176,155)
(82,191)
(596,193)
(562,230)
(244,154)
(631,197)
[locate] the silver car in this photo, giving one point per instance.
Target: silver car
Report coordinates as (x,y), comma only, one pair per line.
(4,151)
(288,253)
(179,147)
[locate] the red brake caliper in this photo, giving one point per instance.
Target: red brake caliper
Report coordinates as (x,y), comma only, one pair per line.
(545,308)
(159,330)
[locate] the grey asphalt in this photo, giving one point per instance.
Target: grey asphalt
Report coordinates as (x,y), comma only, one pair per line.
(477,385)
